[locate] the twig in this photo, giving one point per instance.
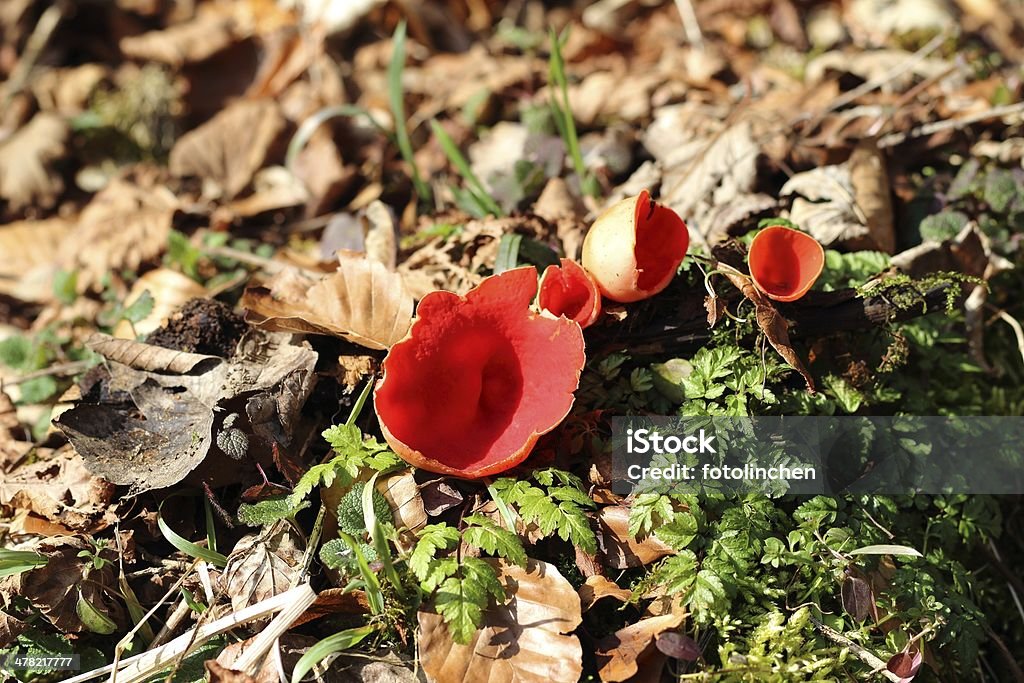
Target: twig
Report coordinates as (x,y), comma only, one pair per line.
(862,653)
(1015,326)
(41,34)
(893,73)
(69,368)
(690,24)
(259,647)
(894,139)
(140,667)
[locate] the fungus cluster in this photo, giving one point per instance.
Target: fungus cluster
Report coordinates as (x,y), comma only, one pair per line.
(479,378)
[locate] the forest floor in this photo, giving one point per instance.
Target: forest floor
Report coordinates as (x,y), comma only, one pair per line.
(217,219)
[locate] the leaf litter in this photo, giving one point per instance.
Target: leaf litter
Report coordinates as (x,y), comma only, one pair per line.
(211,238)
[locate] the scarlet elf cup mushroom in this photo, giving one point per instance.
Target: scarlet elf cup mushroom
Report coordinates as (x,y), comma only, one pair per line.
(785,263)
(479,378)
(634,248)
(571,291)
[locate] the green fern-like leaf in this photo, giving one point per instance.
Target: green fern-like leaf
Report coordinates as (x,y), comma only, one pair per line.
(491,538)
(462,598)
(433,538)
(268,511)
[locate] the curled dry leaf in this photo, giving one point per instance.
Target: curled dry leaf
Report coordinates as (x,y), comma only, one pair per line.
(141,356)
(403,495)
(122,227)
(362,301)
(598,587)
(262,565)
(621,549)
(526,640)
(228,149)
(61,490)
(624,654)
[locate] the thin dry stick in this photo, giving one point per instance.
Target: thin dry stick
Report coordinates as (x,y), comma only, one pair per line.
(894,139)
(257,650)
(1017,331)
(690,24)
(140,667)
(69,368)
(862,653)
(47,24)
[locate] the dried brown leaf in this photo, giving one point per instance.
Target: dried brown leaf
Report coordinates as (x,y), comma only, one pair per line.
(122,227)
(598,587)
(773,324)
(526,640)
(182,43)
(142,356)
(363,302)
(403,495)
(621,655)
(27,266)
(27,173)
(60,490)
(231,147)
(263,565)
(621,549)
(871,189)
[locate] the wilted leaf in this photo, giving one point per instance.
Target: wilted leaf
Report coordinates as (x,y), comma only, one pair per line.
(229,148)
(262,565)
(871,189)
(525,640)
(438,496)
(363,302)
(621,655)
(621,549)
(403,495)
(678,646)
(905,665)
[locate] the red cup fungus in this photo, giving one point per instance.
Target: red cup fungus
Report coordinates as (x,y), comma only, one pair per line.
(785,263)
(634,248)
(479,378)
(569,290)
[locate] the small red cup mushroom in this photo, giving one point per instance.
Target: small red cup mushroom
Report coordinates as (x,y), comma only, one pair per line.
(785,263)
(479,378)
(570,290)
(634,248)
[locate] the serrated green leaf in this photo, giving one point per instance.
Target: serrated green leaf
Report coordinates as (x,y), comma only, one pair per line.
(680,532)
(491,538)
(269,510)
(433,538)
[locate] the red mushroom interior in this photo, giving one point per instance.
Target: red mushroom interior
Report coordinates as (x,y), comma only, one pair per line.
(661,242)
(785,262)
(479,378)
(570,291)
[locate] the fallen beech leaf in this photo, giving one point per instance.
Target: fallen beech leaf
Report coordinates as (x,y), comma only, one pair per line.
(27,175)
(438,496)
(871,188)
(598,587)
(229,148)
(218,673)
(182,43)
(621,549)
(858,599)
(774,326)
(141,356)
(263,565)
(524,641)
(26,269)
(123,226)
(362,301)
(59,489)
(621,655)
(10,628)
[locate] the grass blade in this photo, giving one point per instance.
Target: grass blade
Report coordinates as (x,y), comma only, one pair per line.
(395,69)
(18,561)
(186,546)
(562,113)
(339,642)
(473,183)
